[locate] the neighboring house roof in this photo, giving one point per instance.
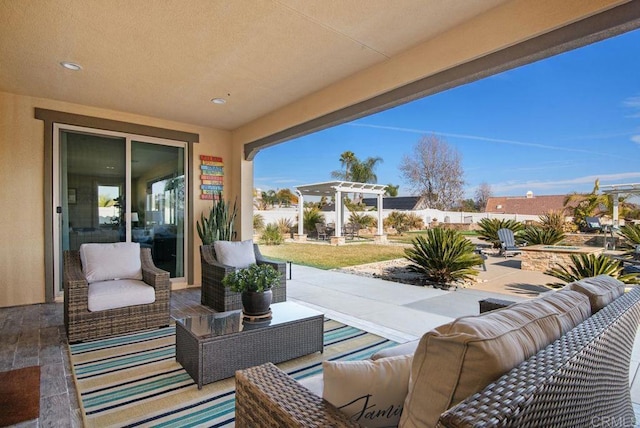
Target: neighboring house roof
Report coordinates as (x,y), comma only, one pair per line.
(397,203)
(531,205)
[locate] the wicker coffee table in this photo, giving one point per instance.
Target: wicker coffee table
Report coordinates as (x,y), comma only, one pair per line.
(213,347)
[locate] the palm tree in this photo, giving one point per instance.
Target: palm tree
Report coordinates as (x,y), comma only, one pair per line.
(347,159)
(363,171)
(588,204)
(391,190)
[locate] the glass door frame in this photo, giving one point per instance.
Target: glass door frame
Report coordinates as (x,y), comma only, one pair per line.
(58,292)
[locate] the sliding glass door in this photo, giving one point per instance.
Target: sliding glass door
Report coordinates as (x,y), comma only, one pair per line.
(114,187)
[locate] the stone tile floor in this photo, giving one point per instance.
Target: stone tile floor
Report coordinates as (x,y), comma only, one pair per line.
(34,335)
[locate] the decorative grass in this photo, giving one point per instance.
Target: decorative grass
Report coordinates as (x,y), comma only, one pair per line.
(330,256)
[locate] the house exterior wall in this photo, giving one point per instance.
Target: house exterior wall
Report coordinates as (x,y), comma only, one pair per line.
(22,264)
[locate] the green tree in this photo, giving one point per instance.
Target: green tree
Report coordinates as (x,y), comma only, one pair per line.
(105,201)
(391,190)
(587,204)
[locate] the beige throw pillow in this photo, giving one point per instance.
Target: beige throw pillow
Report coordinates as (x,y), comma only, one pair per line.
(370,393)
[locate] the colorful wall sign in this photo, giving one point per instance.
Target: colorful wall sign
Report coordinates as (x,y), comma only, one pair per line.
(211,177)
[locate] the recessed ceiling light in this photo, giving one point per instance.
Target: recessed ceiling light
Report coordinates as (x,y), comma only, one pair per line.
(218,100)
(71,65)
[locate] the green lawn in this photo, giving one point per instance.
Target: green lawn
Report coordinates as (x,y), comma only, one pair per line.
(331,257)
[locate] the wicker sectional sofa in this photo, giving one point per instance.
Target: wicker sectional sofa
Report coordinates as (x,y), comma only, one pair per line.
(579,379)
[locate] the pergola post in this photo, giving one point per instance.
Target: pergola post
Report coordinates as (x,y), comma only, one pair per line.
(338,213)
(300,236)
(380,222)
(616,221)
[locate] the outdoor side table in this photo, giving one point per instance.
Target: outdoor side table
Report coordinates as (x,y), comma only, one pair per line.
(212,347)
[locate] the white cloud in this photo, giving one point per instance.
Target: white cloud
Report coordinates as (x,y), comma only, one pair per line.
(636,139)
(632,102)
(487,139)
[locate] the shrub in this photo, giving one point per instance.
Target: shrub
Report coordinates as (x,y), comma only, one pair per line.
(255,278)
(488,229)
(414,221)
(399,221)
(587,265)
(534,235)
(271,235)
(444,255)
(284,226)
(311,216)
(552,220)
(362,220)
(258,222)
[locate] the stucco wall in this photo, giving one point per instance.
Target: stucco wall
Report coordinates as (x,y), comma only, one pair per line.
(22,265)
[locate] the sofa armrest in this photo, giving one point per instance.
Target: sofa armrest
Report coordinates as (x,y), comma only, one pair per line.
(154,276)
(268,397)
(76,287)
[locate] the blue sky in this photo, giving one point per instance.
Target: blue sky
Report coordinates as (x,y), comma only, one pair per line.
(551,127)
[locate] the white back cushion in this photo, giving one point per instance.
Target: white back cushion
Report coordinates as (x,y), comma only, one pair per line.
(120,293)
(236,254)
(117,260)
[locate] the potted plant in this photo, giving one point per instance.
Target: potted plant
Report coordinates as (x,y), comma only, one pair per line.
(219,224)
(255,283)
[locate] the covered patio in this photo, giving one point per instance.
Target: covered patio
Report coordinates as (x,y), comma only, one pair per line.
(616,190)
(337,191)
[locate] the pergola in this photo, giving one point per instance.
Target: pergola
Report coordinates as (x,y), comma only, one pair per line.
(615,190)
(337,188)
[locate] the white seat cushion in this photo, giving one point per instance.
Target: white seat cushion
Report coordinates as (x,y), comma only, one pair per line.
(116,260)
(236,254)
(120,293)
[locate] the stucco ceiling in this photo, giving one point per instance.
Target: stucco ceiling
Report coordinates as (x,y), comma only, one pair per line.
(169,58)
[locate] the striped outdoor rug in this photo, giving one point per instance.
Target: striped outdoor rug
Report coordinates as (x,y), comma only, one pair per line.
(134,380)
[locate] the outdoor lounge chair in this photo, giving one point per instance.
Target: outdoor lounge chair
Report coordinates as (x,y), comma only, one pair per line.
(106,297)
(216,295)
(592,224)
(508,245)
(321,230)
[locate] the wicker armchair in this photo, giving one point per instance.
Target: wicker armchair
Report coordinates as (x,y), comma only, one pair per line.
(220,298)
(81,324)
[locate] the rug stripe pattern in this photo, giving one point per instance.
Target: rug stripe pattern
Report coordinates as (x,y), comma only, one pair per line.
(134,380)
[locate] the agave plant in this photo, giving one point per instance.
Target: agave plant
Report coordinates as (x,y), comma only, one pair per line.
(444,256)
(218,226)
(489,229)
(533,235)
(587,265)
(632,233)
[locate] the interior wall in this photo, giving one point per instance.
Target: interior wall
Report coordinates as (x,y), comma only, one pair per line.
(22,265)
